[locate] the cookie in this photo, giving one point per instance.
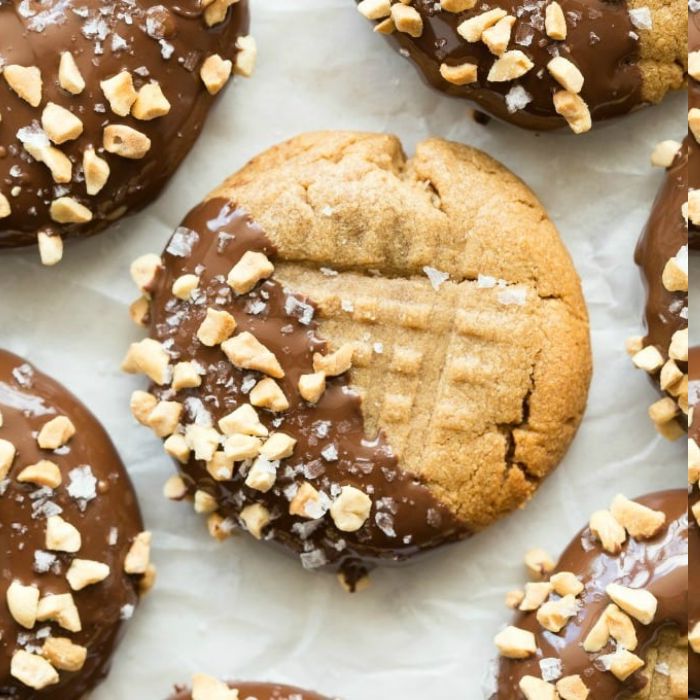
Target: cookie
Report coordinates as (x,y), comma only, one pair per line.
(208,688)
(542,65)
(74,552)
(694,125)
(361,356)
(662,255)
(694,537)
(609,621)
(99,105)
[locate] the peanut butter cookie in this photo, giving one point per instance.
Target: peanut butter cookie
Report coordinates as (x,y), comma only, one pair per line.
(662,255)
(100,103)
(74,554)
(610,620)
(545,64)
(362,356)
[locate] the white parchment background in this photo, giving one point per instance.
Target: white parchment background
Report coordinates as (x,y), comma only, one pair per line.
(241,610)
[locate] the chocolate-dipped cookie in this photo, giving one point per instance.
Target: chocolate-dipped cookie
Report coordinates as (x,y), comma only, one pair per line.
(662,255)
(208,688)
(74,554)
(100,103)
(361,356)
(609,621)
(542,65)
(694,536)
(694,125)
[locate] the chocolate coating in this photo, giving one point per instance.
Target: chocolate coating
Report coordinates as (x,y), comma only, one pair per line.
(665,234)
(601,42)
(260,691)
(154,40)
(694,537)
(28,399)
(332,449)
(693,103)
(659,565)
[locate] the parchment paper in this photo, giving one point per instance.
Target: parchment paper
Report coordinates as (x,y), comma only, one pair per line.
(240,610)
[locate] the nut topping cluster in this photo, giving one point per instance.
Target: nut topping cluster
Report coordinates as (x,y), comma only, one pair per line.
(84,122)
(611,614)
(62,540)
(509,37)
(668,365)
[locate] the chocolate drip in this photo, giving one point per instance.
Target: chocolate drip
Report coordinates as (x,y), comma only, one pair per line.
(665,234)
(601,42)
(332,449)
(28,400)
(260,691)
(659,565)
(154,40)
(693,103)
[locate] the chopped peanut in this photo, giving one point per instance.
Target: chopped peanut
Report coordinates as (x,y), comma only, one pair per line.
(215,73)
(605,528)
(85,572)
(268,394)
(138,557)
(26,82)
(126,142)
(217,327)
(23,603)
(69,76)
(248,271)
(639,521)
(120,92)
(63,654)
(61,536)
(32,670)
(60,124)
(515,643)
(351,509)
(43,473)
(255,518)
(55,433)
(150,103)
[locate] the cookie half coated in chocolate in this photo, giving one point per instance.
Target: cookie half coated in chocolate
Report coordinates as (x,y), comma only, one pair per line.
(99,105)
(208,688)
(361,356)
(662,255)
(75,555)
(609,621)
(694,125)
(694,537)
(545,64)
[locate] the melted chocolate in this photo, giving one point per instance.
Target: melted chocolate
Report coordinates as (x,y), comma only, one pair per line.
(665,234)
(28,400)
(693,102)
(332,449)
(659,565)
(154,40)
(260,691)
(694,537)
(601,41)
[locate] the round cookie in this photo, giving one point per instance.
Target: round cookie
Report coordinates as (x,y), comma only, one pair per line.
(694,537)
(100,104)
(403,327)
(542,65)
(694,125)
(208,688)
(611,617)
(662,255)
(75,556)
